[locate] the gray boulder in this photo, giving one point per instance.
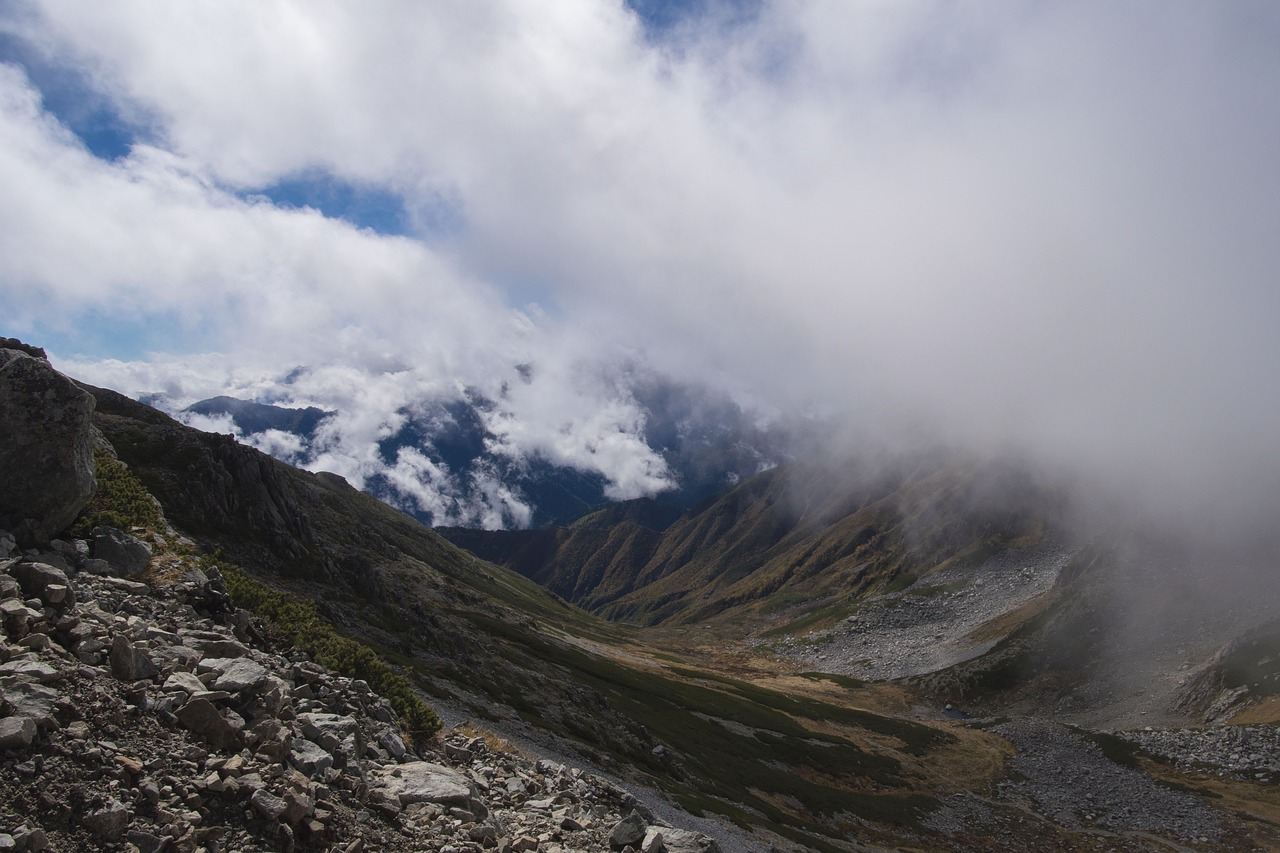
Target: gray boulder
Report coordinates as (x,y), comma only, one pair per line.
(127,555)
(309,758)
(423,782)
(46,459)
(234,674)
(628,832)
(36,578)
(108,822)
(680,841)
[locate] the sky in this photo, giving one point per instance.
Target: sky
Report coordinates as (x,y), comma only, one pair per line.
(1047,228)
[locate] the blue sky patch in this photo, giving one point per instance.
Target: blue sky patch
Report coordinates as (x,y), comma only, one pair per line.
(127,338)
(70,96)
(364,206)
(661,17)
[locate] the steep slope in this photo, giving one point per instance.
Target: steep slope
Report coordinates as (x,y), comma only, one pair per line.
(787,542)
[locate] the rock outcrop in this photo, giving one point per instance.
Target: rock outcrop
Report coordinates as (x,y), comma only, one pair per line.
(46,458)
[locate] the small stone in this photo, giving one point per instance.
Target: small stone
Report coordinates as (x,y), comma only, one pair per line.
(132,765)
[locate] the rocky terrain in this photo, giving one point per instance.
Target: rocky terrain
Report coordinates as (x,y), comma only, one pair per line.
(157,716)
(929,625)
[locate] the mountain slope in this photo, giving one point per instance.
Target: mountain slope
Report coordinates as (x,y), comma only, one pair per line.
(789,541)
(809,769)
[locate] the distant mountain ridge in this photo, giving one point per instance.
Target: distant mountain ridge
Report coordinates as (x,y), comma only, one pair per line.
(707,443)
(794,533)
(253,418)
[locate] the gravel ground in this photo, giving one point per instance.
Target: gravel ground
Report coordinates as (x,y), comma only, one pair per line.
(1071,781)
(926,627)
(1245,752)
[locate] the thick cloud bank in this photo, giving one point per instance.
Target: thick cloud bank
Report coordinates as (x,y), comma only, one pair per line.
(1027,226)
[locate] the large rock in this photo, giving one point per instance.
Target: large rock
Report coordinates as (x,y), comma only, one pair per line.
(234,674)
(46,458)
(36,578)
(128,556)
(423,782)
(680,840)
(628,832)
(202,717)
(108,822)
(309,758)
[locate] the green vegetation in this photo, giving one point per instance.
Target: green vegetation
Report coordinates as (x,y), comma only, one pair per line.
(744,752)
(120,500)
(299,623)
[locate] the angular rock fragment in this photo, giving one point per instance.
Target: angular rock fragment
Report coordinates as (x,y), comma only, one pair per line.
(109,821)
(16,733)
(30,700)
(36,578)
(309,758)
(628,832)
(268,804)
(234,675)
(129,663)
(203,718)
(30,670)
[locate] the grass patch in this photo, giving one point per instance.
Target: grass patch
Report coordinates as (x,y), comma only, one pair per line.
(917,738)
(846,681)
(120,500)
(745,753)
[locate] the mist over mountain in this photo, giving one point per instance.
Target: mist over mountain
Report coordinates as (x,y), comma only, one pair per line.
(456,461)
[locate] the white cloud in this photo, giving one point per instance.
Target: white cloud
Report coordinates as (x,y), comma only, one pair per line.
(1041,225)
